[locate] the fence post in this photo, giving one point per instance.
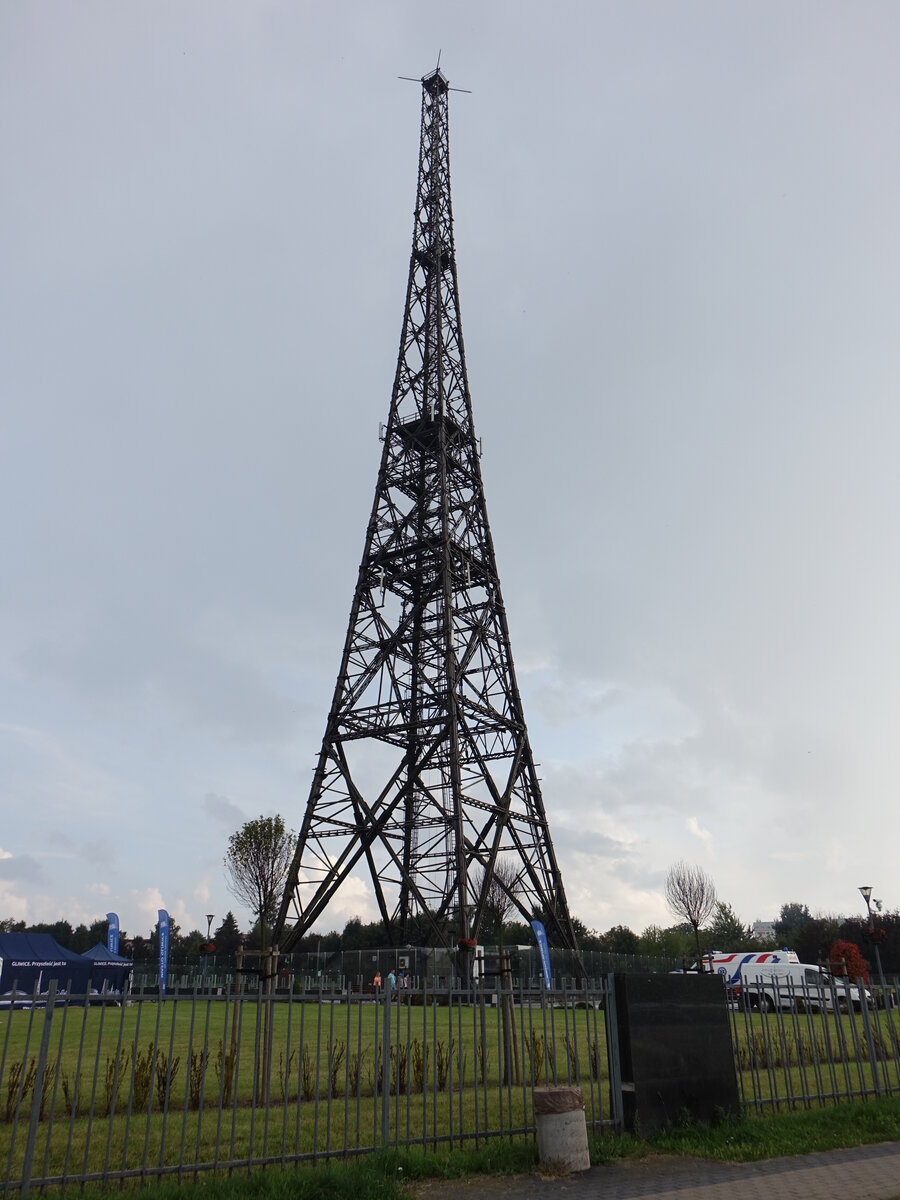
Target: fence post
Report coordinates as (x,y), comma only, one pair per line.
(237,986)
(867,1027)
(386,1067)
(612,1050)
(270,958)
(37,1097)
(510,1037)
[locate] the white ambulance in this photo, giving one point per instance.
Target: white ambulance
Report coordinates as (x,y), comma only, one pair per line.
(732,966)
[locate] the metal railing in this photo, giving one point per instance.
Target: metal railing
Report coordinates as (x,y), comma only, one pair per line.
(105,1089)
(808,1045)
(98,1090)
(356,968)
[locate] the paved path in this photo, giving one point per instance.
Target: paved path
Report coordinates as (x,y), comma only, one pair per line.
(863,1173)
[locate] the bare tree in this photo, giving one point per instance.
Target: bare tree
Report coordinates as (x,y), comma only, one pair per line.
(503,886)
(500,890)
(691,894)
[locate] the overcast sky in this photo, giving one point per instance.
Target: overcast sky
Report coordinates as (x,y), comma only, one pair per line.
(679,263)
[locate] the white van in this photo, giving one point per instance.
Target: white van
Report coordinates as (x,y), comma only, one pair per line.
(769,986)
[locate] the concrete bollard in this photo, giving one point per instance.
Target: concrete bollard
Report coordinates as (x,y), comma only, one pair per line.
(561,1128)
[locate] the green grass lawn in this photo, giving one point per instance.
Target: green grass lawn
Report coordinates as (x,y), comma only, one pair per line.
(213,1049)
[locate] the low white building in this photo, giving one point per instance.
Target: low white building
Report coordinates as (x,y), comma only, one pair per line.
(764,930)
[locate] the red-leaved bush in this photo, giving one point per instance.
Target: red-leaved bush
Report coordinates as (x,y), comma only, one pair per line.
(846,959)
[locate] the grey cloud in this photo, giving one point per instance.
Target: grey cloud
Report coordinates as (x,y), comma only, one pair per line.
(223,810)
(122,668)
(574,843)
(58,840)
(99,853)
(559,701)
(22,867)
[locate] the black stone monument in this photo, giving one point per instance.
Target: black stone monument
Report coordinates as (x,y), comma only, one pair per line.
(675,1050)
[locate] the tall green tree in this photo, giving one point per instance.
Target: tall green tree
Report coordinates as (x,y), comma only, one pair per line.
(60,930)
(227,938)
(674,943)
(726,930)
(790,923)
(815,937)
(256,867)
(619,940)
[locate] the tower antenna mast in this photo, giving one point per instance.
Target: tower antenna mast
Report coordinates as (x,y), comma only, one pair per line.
(425,779)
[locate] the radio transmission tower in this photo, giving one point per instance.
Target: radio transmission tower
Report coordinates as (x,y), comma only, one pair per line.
(425,780)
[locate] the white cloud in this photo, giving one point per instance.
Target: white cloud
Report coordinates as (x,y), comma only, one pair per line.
(353,899)
(694,827)
(13,905)
(148,903)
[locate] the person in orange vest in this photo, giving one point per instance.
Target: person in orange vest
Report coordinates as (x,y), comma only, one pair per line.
(376,982)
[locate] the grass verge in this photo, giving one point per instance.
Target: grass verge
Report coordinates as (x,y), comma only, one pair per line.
(749,1139)
(384,1175)
(380,1176)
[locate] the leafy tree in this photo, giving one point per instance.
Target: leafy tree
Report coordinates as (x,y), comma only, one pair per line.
(790,923)
(8,925)
(520,934)
(671,943)
(815,937)
(190,946)
(887,933)
(587,939)
(353,937)
(140,949)
(690,893)
(256,865)
(619,940)
(227,938)
(60,930)
(85,936)
(359,936)
(726,930)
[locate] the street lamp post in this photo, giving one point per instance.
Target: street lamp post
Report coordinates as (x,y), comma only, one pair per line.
(866,893)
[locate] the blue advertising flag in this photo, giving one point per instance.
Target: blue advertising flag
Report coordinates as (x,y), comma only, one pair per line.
(163,950)
(112,936)
(540,934)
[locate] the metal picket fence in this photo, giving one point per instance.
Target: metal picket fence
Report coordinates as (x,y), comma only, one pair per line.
(112,1090)
(94,1090)
(805,1045)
